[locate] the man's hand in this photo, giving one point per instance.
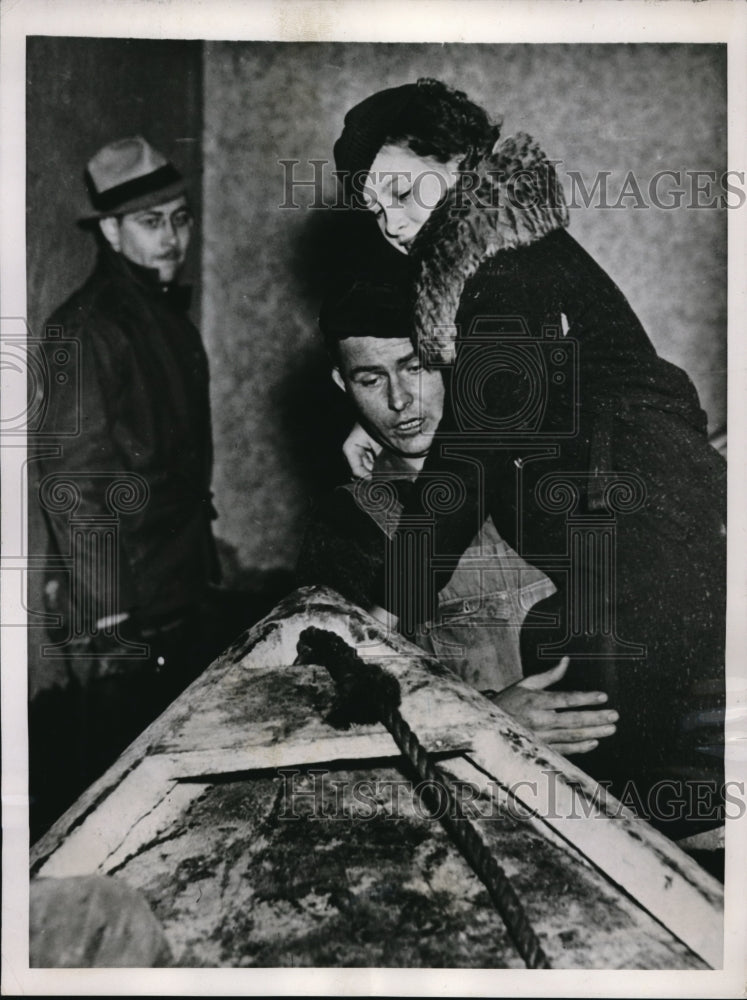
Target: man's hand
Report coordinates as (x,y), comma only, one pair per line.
(549,713)
(361,451)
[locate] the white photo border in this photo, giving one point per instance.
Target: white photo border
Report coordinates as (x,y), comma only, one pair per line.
(591,21)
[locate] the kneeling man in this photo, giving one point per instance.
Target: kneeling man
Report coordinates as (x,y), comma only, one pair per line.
(484,603)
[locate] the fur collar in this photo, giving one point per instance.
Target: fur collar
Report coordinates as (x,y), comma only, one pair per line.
(512,198)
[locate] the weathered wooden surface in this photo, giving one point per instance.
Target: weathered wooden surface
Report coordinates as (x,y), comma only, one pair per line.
(262,718)
(253,874)
(214,698)
(251,711)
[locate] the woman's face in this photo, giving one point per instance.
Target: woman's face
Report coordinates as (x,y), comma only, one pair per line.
(402,189)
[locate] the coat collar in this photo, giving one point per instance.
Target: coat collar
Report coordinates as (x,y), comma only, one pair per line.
(124,271)
(512,198)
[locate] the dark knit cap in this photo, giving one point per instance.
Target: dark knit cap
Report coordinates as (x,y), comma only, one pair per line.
(365,308)
(368,124)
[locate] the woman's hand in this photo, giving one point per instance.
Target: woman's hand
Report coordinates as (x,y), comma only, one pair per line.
(361,451)
(546,712)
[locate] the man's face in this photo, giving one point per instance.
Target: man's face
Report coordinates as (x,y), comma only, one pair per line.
(398,400)
(155,237)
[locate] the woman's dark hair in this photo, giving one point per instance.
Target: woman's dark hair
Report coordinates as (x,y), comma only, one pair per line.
(429,117)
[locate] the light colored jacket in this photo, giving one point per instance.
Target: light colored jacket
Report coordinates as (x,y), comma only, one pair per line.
(484,603)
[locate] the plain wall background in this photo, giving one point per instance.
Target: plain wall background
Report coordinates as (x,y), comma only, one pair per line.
(621,108)
(238,108)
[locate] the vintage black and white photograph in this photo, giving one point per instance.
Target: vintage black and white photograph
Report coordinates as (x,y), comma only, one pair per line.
(366,596)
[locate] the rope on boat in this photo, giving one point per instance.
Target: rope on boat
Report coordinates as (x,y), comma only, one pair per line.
(367,693)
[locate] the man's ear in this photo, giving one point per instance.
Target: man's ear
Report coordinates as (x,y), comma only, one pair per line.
(110,228)
(338,379)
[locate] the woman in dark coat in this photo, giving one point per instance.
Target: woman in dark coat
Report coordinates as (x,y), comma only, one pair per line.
(587,449)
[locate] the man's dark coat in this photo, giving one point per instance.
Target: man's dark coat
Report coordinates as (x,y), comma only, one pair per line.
(144,410)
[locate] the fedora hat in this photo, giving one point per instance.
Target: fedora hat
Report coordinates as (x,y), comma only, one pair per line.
(129,175)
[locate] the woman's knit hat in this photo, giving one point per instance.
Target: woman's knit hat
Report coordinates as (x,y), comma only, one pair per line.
(367,126)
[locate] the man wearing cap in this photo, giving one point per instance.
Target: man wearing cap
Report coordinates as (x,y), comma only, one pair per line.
(142,550)
(484,603)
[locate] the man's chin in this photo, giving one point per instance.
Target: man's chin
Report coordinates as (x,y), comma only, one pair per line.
(167,273)
(417,448)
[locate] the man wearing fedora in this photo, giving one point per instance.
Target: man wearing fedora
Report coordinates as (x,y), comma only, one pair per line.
(135,541)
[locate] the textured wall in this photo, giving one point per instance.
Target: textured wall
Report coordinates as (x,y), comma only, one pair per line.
(619,108)
(82,93)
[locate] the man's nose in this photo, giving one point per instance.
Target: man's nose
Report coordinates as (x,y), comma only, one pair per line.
(168,232)
(400,396)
